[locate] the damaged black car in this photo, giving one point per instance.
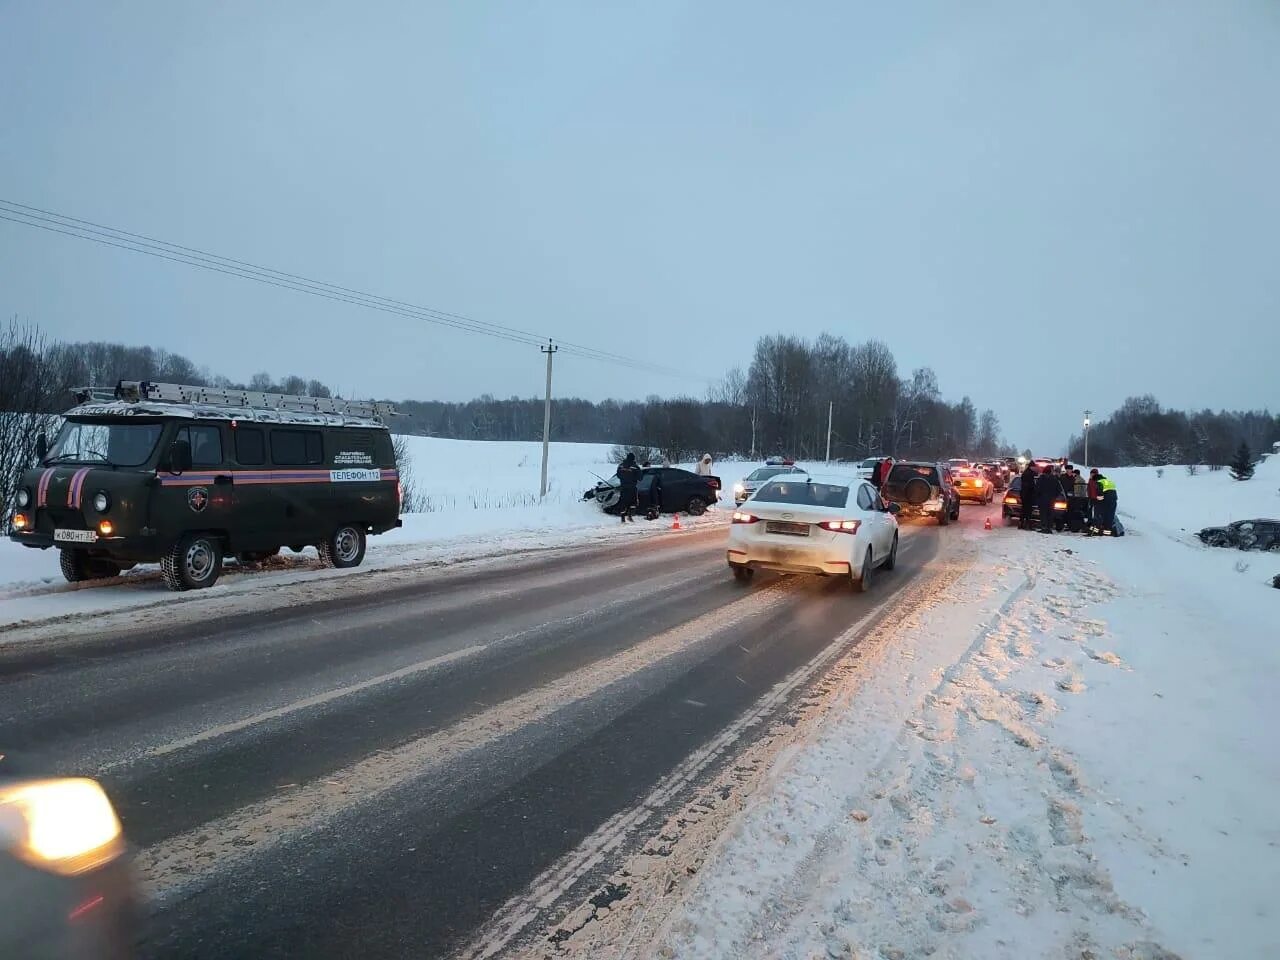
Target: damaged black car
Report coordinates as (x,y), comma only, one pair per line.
(1244,535)
(661,490)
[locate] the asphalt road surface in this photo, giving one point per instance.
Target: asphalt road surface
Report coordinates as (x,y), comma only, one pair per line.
(376,774)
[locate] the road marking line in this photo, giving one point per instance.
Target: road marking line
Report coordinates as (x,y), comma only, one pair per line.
(337,693)
(519,912)
(170,864)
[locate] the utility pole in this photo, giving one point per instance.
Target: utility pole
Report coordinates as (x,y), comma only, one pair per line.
(831,405)
(1086,438)
(550,350)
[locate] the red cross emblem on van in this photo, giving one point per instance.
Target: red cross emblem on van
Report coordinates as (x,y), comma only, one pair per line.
(197,498)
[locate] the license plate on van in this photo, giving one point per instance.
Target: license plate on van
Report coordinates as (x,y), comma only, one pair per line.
(75,536)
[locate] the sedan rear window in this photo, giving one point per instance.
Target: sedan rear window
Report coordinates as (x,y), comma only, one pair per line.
(803,492)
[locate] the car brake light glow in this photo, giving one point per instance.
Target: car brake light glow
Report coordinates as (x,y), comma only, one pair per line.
(1059,504)
(841,526)
(741,517)
(1011,500)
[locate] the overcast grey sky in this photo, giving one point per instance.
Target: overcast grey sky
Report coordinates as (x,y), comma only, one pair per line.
(1053,205)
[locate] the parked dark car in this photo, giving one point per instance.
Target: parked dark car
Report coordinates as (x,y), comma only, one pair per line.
(1011,507)
(1244,535)
(679,490)
(923,490)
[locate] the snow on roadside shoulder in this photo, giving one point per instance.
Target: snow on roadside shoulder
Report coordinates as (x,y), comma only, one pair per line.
(1070,758)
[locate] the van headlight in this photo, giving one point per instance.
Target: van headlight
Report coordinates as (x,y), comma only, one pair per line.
(24,496)
(101,501)
(66,826)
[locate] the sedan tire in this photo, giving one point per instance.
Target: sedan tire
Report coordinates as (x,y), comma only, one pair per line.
(696,506)
(892,562)
(863,583)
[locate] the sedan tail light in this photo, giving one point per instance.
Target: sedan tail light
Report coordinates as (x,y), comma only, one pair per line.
(1012,501)
(1059,504)
(841,526)
(740,516)
(715,482)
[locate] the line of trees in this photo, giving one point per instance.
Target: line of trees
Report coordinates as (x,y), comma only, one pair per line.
(1142,433)
(779,405)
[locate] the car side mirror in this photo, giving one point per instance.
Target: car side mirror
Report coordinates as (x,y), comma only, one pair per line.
(893,508)
(180,456)
(42,446)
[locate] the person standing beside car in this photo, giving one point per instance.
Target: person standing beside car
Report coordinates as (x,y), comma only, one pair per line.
(703,468)
(628,480)
(1048,492)
(1091,492)
(1027,494)
(1108,500)
(881,473)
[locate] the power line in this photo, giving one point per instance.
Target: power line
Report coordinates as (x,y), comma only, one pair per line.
(51,221)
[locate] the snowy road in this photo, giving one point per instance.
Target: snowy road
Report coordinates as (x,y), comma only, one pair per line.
(449,764)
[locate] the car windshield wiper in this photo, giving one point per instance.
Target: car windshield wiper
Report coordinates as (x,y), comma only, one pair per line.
(78,457)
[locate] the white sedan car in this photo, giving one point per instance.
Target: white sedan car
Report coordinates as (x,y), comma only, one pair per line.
(829,524)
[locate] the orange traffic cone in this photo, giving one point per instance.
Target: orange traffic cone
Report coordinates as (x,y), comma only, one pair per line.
(986,524)
(675,524)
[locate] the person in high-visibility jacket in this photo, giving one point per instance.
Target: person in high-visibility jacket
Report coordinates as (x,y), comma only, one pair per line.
(1105,505)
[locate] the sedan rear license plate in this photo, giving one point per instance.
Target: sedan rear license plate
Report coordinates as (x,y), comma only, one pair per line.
(75,536)
(787,527)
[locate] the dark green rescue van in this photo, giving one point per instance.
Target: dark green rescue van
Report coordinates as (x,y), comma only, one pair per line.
(183,476)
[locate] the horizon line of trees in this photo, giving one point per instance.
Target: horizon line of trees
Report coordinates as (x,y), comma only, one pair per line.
(1142,433)
(779,405)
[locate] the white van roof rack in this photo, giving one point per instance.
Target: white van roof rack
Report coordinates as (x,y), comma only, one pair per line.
(144,390)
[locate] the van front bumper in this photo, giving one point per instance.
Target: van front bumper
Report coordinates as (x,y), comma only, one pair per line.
(137,548)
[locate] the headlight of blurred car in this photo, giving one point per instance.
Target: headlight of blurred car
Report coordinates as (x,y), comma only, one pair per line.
(101,501)
(24,496)
(66,826)
(739,488)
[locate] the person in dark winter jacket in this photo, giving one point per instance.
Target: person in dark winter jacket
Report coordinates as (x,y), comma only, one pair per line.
(1028,495)
(628,479)
(1048,490)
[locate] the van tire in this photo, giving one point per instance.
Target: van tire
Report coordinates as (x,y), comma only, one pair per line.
(73,564)
(193,563)
(344,548)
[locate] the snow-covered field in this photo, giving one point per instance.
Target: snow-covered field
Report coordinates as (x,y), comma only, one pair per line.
(480,499)
(1071,754)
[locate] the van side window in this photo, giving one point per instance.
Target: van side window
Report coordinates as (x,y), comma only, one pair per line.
(206,445)
(251,447)
(296,447)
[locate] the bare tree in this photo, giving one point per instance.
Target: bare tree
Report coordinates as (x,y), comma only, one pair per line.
(27,399)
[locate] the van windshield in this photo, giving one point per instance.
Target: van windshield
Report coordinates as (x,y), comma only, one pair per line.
(118,444)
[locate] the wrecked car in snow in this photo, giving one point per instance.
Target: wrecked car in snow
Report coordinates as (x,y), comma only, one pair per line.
(661,490)
(1244,535)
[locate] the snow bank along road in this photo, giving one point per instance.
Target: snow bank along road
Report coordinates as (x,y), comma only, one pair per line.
(427,762)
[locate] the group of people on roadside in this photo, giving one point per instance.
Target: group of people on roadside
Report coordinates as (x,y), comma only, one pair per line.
(1090,503)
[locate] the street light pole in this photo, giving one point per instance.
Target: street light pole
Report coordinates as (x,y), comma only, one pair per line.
(1086,438)
(831,405)
(550,350)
